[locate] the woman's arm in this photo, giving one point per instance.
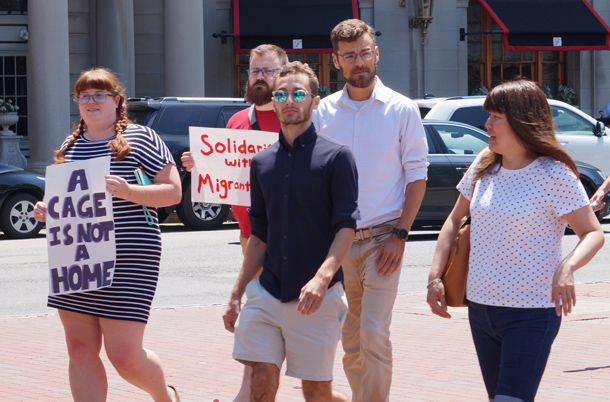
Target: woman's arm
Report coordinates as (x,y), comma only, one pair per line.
(596,199)
(589,231)
(166,189)
(436,289)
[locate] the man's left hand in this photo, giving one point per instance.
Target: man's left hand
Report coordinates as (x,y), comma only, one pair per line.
(312,296)
(390,255)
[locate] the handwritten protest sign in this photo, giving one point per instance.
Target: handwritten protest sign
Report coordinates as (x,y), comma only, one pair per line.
(222,163)
(80,226)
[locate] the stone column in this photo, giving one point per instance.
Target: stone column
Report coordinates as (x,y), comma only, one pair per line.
(184,69)
(115,44)
(48,80)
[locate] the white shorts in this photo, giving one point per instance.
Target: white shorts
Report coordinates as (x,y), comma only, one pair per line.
(269,331)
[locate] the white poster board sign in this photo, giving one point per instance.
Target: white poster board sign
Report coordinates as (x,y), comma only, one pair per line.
(222,163)
(80,226)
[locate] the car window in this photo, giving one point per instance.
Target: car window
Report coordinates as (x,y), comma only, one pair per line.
(473,115)
(423,111)
(177,119)
(568,122)
(431,148)
(225,114)
(461,140)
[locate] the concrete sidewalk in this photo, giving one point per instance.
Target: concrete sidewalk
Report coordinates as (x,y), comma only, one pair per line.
(434,358)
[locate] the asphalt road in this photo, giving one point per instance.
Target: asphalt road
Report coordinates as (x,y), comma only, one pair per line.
(199,268)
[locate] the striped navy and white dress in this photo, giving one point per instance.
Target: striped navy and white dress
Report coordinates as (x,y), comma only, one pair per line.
(138,245)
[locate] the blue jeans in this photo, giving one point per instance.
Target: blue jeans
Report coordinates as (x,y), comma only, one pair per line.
(513,346)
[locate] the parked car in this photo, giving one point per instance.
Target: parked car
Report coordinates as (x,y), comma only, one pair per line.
(585,138)
(452,147)
(19,192)
(171,118)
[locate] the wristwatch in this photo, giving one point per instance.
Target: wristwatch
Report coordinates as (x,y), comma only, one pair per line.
(402,234)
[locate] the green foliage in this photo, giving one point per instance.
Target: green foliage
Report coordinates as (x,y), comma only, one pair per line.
(566,94)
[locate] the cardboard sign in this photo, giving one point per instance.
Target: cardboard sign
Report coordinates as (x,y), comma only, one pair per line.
(222,163)
(80,226)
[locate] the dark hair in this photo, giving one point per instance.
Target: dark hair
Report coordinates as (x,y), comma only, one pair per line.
(262,50)
(296,67)
(104,79)
(529,115)
(350,31)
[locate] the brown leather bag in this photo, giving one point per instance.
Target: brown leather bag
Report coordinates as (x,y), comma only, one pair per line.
(456,271)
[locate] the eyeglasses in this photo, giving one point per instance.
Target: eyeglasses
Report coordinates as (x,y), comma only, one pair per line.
(266,71)
(83,99)
(297,96)
(351,57)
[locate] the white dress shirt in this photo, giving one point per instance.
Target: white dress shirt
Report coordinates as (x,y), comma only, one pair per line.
(387,138)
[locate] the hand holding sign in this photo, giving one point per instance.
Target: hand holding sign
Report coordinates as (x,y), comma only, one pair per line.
(222,163)
(80,226)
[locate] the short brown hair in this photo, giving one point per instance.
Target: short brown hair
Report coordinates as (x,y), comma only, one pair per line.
(349,31)
(296,67)
(266,48)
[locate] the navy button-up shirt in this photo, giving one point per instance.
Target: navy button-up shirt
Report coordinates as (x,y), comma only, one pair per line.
(301,197)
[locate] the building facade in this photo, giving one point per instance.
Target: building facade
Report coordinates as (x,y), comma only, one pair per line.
(168,48)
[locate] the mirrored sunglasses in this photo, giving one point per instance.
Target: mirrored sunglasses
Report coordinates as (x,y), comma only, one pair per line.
(297,96)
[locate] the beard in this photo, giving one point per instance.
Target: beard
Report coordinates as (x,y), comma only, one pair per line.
(298,118)
(363,80)
(258,95)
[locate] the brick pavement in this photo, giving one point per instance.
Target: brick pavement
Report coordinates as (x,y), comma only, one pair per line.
(434,359)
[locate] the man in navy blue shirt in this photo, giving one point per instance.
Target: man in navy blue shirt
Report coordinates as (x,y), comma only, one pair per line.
(303,213)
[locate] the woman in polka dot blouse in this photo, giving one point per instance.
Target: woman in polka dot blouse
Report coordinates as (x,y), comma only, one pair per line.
(520,192)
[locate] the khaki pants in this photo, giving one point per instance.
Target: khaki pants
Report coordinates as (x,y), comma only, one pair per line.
(366,332)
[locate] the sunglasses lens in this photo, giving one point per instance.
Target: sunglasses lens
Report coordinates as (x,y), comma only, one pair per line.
(82,99)
(99,98)
(280,96)
(299,96)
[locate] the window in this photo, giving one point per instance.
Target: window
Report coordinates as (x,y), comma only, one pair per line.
(489,64)
(176,120)
(14,86)
(473,115)
(13,7)
(461,140)
(225,114)
(568,122)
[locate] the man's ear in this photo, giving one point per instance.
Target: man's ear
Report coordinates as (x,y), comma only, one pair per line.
(316,102)
(336,62)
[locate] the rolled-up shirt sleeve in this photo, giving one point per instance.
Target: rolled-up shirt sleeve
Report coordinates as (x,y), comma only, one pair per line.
(413,146)
(345,190)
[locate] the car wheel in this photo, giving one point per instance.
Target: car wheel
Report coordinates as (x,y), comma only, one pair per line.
(17,216)
(200,215)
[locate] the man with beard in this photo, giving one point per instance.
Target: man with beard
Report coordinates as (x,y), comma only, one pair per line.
(384,131)
(265,61)
(303,215)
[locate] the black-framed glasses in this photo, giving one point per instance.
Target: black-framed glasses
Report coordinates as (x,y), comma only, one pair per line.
(83,99)
(267,72)
(298,95)
(351,57)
